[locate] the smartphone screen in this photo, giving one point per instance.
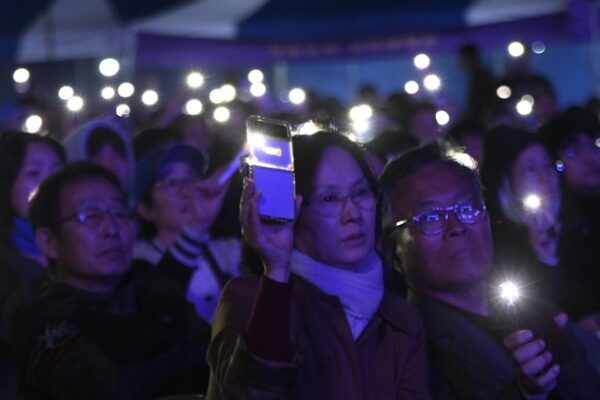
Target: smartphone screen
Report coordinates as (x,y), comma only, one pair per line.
(272,166)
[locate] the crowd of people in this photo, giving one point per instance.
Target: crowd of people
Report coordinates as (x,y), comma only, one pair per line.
(129,269)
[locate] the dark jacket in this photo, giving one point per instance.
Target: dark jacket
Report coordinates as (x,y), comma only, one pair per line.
(132,343)
(468,363)
(387,361)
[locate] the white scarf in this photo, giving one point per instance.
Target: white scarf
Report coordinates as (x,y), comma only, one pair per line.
(360,291)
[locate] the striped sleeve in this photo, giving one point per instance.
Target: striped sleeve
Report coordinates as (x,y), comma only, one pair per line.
(186,249)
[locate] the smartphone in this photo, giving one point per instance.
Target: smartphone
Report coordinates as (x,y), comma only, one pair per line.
(271,166)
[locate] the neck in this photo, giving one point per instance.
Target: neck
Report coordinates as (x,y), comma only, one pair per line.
(472,298)
(167,237)
(93,285)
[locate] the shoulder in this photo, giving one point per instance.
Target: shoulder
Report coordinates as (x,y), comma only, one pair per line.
(402,315)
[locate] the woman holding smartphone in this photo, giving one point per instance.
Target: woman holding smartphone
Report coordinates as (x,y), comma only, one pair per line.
(318,323)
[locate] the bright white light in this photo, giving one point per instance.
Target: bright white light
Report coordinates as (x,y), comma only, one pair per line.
(228,91)
(307,128)
(524,108)
(360,126)
(297,96)
(109,67)
(33,124)
(509,292)
(421,61)
(107,93)
(256,76)
(411,87)
(75,103)
(123,110)
(538,47)
(65,92)
(442,117)
(528,98)
(532,202)
(432,82)
(361,112)
(503,92)
(193,107)
(126,89)
(150,97)
(463,158)
(195,80)
(21,75)
(258,89)
(221,114)
(216,96)
(516,49)
(598,142)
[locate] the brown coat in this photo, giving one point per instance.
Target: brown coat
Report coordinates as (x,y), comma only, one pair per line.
(388,361)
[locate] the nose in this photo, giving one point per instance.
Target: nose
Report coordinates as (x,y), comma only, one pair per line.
(350,211)
(108,226)
(454,227)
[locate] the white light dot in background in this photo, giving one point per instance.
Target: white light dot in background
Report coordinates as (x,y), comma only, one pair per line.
(503,92)
(538,47)
(297,96)
(126,89)
(528,98)
(360,126)
(411,87)
(109,67)
(65,92)
(361,112)
(524,107)
(516,49)
(598,142)
(442,117)
(150,97)
(256,76)
(509,292)
(75,103)
(432,82)
(216,96)
(421,61)
(193,107)
(229,93)
(33,124)
(195,80)
(21,75)
(221,114)
(123,110)
(532,202)
(258,89)
(107,93)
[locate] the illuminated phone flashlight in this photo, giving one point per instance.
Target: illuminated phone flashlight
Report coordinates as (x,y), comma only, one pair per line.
(532,202)
(509,292)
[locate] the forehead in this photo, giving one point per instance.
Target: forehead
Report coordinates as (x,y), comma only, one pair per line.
(84,192)
(432,184)
(337,167)
(175,168)
(38,150)
(532,153)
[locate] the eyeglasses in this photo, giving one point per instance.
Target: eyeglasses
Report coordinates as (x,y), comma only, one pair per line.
(174,186)
(94,216)
(433,221)
(331,204)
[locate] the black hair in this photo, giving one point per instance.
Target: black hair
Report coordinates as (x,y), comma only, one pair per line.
(308,154)
(103,136)
(562,131)
(13,147)
(412,161)
(44,209)
(464,128)
(152,138)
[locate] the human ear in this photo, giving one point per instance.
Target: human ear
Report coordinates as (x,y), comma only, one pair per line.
(47,242)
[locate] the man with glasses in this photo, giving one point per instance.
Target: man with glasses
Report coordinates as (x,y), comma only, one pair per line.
(95,331)
(433,211)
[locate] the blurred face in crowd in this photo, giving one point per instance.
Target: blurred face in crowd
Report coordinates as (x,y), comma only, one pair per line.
(424,126)
(92,243)
(172,205)
(111,159)
(533,173)
(336,225)
(40,161)
(453,259)
(582,164)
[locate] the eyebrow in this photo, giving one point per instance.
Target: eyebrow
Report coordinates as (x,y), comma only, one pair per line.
(355,183)
(460,196)
(94,202)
